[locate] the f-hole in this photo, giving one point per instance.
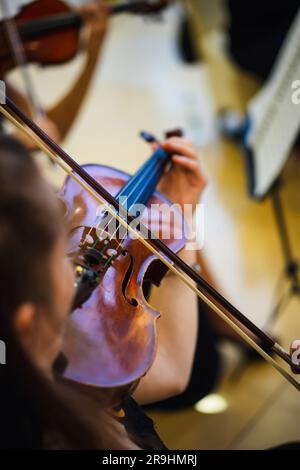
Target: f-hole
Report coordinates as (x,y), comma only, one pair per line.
(126,279)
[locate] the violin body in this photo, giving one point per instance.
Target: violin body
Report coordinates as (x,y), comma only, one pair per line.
(45,45)
(111,340)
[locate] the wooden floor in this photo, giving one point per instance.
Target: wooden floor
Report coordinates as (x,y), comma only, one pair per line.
(141,84)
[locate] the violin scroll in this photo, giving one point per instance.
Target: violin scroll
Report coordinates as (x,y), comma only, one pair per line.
(139,7)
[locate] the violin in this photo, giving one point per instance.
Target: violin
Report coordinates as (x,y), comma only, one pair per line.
(49,30)
(115,325)
(111,337)
(46,32)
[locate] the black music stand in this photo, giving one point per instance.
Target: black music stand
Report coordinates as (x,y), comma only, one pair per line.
(291,268)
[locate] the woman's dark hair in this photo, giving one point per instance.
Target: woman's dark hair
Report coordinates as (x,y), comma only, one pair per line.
(32,405)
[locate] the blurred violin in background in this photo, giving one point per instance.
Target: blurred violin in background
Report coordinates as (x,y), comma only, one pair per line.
(50,30)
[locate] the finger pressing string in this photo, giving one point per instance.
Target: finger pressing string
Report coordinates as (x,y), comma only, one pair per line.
(180,141)
(180,149)
(186,162)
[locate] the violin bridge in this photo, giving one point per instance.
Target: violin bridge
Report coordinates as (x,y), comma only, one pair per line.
(99,252)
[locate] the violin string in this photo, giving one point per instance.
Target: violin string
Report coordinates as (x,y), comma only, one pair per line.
(151,168)
(156,163)
(122,240)
(98,218)
(277,349)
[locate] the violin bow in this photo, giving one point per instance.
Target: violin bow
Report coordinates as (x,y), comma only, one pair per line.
(221,306)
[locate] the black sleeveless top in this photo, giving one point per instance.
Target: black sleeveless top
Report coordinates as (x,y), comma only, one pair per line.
(140,427)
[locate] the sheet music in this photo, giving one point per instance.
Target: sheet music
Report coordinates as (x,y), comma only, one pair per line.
(274,119)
